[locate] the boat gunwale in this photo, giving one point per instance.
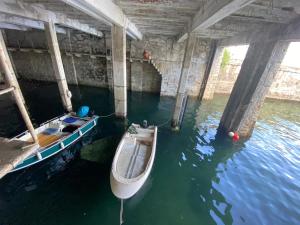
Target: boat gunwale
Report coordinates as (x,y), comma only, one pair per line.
(122,179)
(93,120)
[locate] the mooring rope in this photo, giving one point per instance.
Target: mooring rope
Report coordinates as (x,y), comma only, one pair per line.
(107,115)
(163,124)
(159,125)
(121,213)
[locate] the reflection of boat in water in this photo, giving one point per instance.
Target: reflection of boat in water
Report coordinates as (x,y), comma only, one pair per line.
(54,136)
(133,160)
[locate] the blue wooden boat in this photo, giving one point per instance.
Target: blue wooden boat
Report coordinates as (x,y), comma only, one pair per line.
(55,135)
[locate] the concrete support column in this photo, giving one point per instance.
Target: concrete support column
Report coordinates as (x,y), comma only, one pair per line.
(213,73)
(109,67)
(258,70)
(11,80)
(58,65)
(119,69)
(181,91)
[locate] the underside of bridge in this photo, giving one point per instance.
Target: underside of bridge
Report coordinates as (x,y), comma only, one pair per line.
(171,46)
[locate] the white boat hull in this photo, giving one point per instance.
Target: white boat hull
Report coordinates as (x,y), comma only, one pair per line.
(131,168)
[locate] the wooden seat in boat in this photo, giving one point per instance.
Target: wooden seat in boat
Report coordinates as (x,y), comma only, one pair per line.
(45,139)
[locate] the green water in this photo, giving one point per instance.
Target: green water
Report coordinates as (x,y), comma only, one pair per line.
(196,178)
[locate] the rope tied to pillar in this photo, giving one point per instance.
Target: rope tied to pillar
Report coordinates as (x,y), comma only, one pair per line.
(164,123)
(107,115)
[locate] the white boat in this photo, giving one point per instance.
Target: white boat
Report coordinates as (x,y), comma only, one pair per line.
(133,160)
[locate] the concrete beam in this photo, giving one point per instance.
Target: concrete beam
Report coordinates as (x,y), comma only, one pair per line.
(181,97)
(36,12)
(26,23)
(107,12)
(258,70)
(12,27)
(118,35)
(289,32)
(58,66)
(212,12)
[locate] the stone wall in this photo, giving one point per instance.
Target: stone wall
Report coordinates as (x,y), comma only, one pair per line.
(83,57)
(167,54)
(144,77)
(286,86)
(87,60)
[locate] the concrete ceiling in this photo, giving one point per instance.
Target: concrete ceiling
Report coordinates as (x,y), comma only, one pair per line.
(171,17)
(156,17)
(60,7)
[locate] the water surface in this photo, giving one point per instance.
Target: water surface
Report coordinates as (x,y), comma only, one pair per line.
(196,179)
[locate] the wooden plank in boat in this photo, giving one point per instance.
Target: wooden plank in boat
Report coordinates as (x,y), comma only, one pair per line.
(46,139)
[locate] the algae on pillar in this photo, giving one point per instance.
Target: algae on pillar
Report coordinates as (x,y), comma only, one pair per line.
(119,69)
(258,70)
(58,65)
(181,97)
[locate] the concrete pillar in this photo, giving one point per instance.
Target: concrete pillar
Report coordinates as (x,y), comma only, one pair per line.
(181,97)
(258,70)
(213,73)
(119,69)
(58,65)
(11,80)
(109,67)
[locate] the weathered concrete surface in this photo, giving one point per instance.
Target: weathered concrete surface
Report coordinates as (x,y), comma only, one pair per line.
(257,73)
(58,66)
(181,97)
(213,74)
(119,70)
(144,77)
(109,66)
(198,66)
(167,55)
(87,60)
(286,84)
(80,52)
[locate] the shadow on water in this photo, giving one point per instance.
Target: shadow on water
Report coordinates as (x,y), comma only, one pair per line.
(197,178)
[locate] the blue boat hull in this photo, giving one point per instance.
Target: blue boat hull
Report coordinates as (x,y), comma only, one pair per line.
(59,146)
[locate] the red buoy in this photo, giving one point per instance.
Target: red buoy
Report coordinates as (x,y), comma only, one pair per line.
(235,137)
(146,55)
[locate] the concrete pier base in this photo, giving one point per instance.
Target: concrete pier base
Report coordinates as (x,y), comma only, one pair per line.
(119,70)
(58,65)
(181,97)
(255,78)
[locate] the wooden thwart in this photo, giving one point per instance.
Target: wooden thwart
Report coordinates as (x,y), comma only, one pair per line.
(45,139)
(13,152)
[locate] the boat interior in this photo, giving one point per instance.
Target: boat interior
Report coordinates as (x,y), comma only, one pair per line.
(54,130)
(135,153)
